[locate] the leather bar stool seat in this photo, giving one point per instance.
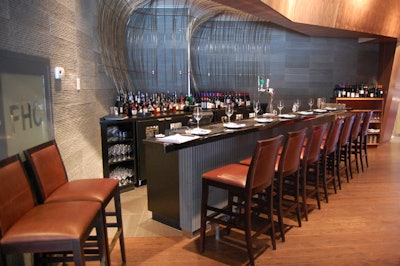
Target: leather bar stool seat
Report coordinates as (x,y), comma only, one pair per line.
(52,185)
(242,183)
(59,227)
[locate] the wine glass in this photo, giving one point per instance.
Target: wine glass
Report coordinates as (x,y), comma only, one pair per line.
(311,103)
(198,114)
(298,104)
(229,111)
(281,105)
(256,107)
(323,102)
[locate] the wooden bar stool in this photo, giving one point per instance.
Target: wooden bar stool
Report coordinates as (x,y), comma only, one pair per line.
(310,172)
(343,154)
(57,227)
(355,145)
(242,183)
(363,139)
(287,177)
(328,156)
(52,185)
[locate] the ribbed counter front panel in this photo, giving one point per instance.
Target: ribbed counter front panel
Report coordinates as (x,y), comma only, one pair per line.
(194,161)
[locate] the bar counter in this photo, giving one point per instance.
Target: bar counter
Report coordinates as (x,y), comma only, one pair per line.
(174,170)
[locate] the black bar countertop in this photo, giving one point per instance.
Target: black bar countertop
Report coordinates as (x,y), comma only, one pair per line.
(218,131)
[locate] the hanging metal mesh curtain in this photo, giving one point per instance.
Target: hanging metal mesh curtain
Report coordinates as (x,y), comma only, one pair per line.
(180,45)
(157,49)
(228,55)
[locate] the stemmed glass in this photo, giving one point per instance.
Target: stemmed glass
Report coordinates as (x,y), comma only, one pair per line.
(229,111)
(311,103)
(281,105)
(256,107)
(298,104)
(198,114)
(323,101)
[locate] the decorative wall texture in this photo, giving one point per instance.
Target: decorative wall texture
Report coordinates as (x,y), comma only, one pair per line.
(66,33)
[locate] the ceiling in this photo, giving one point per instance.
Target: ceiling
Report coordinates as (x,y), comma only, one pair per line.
(327,19)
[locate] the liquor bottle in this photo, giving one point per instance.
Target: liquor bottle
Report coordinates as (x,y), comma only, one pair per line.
(361,91)
(380,91)
(336,92)
(217,100)
(247,99)
(357,95)
(348,90)
(372,92)
(352,92)
(118,102)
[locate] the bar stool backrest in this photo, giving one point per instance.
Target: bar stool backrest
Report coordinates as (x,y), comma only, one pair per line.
(365,123)
(48,167)
(262,168)
(344,137)
(290,157)
(333,136)
(16,197)
(316,138)
(355,131)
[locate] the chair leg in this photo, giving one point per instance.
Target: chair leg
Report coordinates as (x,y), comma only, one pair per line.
(344,157)
(204,202)
(271,216)
(316,188)
(366,152)
(117,202)
(360,154)
(79,253)
(3,259)
(104,254)
(297,198)
(336,164)
(230,207)
(248,231)
(304,193)
(348,158)
(356,153)
(323,177)
(279,210)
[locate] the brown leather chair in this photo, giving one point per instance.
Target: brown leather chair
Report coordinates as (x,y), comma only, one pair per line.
(343,154)
(310,171)
(56,227)
(53,186)
(328,156)
(287,177)
(355,145)
(363,138)
(242,183)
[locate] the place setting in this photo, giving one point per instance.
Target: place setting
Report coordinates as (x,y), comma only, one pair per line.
(198,115)
(262,119)
(226,120)
(281,116)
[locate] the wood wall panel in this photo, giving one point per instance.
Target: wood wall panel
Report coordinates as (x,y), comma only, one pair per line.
(393,92)
(373,16)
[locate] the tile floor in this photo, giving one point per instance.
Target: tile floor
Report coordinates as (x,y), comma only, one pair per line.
(136,218)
